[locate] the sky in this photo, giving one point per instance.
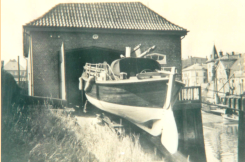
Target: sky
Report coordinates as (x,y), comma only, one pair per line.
(209,22)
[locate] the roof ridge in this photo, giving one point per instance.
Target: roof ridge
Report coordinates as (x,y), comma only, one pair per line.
(43,14)
(161,16)
(109,15)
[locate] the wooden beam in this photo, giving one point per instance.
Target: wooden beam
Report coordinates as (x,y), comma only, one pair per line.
(37,100)
(97,30)
(241,135)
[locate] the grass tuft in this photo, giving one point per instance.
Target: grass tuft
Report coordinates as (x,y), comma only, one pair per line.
(37,133)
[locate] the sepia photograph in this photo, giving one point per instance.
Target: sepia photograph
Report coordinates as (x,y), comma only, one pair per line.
(122,81)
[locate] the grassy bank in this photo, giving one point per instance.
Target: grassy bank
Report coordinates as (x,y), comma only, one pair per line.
(36,133)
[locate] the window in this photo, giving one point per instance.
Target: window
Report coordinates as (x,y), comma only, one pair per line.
(161,57)
(196,73)
(158,57)
(155,57)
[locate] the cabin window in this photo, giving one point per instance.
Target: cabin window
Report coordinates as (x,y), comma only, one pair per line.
(157,57)
(161,57)
(154,57)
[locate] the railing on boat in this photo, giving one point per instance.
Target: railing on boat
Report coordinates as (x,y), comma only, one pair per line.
(97,69)
(94,69)
(100,69)
(190,94)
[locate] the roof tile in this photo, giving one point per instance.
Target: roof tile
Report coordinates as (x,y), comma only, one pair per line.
(116,15)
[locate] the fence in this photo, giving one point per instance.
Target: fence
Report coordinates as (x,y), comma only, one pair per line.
(190,94)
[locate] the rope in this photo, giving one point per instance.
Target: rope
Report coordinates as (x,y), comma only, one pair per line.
(219,92)
(112,72)
(222,106)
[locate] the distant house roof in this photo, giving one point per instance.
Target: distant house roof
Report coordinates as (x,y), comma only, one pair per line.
(228,56)
(12,65)
(193,60)
(196,67)
(116,15)
(214,55)
(238,67)
(227,63)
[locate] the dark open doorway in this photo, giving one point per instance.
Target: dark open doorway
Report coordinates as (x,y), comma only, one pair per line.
(74,62)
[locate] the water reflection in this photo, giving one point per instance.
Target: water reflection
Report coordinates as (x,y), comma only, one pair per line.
(221,139)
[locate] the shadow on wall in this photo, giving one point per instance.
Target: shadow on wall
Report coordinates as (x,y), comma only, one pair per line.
(10,91)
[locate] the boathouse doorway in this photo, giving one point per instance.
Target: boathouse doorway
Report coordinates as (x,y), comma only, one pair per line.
(75,59)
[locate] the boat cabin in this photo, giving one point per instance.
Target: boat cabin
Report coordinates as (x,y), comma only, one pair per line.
(126,68)
(129,67)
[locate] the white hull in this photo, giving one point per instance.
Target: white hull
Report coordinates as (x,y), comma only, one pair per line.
(132,113)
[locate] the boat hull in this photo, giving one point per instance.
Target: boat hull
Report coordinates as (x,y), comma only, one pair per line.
(138,102)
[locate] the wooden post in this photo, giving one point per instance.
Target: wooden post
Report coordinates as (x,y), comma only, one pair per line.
(180,96)
(18,70)
(233,104)
(26,72)
(83,97)
(229,102)
(2,66)
(200,95)
(189,123)
(241,135)
(192,90)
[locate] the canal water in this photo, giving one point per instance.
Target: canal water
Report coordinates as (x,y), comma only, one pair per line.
(220,137)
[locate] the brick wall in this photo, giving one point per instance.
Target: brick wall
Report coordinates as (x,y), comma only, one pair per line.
(47,44)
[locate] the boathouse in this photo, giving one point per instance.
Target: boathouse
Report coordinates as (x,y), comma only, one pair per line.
(60,42)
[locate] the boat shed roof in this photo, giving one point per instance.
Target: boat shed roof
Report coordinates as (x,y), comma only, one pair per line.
(112,15)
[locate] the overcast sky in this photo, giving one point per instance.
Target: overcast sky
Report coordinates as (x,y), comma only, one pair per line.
(209,22)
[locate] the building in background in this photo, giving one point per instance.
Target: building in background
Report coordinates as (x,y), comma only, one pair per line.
(193,60)
(12,68)
(19,73)
(237,75)
(210,64)
(225,74)
(195,75)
